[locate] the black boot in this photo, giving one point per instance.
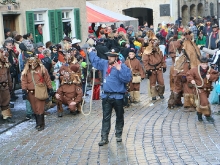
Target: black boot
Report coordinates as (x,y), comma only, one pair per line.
(41,122)
(199,116)
(103,141)
(37,121)
(210,119)
(9,120)
(154,98)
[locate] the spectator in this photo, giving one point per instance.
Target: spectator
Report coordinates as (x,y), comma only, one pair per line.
(122,29)
(201,40)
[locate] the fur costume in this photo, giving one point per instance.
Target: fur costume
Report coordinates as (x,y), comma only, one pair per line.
(4,59)
(5,86)
(33,62)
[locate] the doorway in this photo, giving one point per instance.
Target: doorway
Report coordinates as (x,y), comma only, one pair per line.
(143,14)
(11,22)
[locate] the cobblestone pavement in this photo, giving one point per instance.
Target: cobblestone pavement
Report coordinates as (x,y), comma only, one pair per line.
(153,134)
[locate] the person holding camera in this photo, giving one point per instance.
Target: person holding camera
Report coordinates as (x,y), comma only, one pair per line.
(155,66)
(115,77)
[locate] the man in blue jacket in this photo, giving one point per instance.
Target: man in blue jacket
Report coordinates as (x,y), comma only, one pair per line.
(115,76)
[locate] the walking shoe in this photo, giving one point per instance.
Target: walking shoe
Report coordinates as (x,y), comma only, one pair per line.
(161,97)
(199,116)
(210,119)
(10,120)
(135,102)
(154,98)
(73,112)
(189,110)
(60,114)
(179,105)
(103,142)
(119,139)
(28,117)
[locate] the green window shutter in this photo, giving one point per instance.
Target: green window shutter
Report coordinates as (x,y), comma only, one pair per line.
(30,23)
(77,23)
(59,25)
(52,26)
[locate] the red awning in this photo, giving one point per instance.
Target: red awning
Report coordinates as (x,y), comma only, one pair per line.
(95,16)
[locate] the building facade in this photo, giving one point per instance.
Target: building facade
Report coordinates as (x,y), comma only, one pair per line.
(151,11)
(56,17)
(195,8)
(159,11)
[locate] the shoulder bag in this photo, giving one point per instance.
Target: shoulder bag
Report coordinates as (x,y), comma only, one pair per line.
(136,78)
(40,89)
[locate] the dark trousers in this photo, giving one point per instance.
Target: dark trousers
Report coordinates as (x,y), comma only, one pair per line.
(107,105)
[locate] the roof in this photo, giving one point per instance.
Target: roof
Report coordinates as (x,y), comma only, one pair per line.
(101,15)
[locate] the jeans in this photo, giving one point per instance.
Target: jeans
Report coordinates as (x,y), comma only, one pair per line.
(107,105)
(29,110)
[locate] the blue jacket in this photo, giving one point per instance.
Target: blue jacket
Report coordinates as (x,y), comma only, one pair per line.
(116,80)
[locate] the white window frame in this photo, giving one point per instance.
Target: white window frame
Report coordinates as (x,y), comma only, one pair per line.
(70,10)
(45,22)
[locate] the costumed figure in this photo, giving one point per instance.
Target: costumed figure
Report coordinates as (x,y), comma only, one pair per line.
(155,66)
(190,59)
(175,49)
(35,77)
(68,93)
(201,77)
(5,85)
(138,74)
(171,101)
(69,66)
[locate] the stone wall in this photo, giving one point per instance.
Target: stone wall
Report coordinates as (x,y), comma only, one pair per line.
(119,6)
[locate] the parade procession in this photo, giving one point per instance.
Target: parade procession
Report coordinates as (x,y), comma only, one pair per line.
(87,85)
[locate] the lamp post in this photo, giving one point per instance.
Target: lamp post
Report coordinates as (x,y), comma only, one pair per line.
(7,2)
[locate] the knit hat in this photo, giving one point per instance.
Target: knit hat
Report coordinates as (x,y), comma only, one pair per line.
(46,52)
(67,39)
(6,30)
(84,64)
(22,47)
(132,50)
(74,68)
(204,59)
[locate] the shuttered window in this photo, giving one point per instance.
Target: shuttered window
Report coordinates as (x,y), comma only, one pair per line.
(59,24)
(52,26)
(77,23)
(55,25)
(30,23)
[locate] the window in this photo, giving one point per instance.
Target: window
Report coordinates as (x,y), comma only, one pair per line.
(38,17)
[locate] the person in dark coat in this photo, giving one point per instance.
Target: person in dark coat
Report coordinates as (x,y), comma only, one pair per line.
(101,49)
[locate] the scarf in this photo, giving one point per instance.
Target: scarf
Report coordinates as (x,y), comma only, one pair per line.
(214,34)
(203,72)
(110,68)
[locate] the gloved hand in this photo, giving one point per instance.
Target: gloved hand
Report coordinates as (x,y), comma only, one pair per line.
(201,47)
(149,73)
(51,92)
(164,70)
(24,94)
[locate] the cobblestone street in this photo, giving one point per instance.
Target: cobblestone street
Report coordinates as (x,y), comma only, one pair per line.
(153,134)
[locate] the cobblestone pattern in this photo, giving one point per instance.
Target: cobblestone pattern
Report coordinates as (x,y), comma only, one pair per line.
(153,134)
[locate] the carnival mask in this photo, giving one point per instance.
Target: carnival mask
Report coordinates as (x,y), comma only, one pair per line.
(68,58)
(4,55)
(33,62)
